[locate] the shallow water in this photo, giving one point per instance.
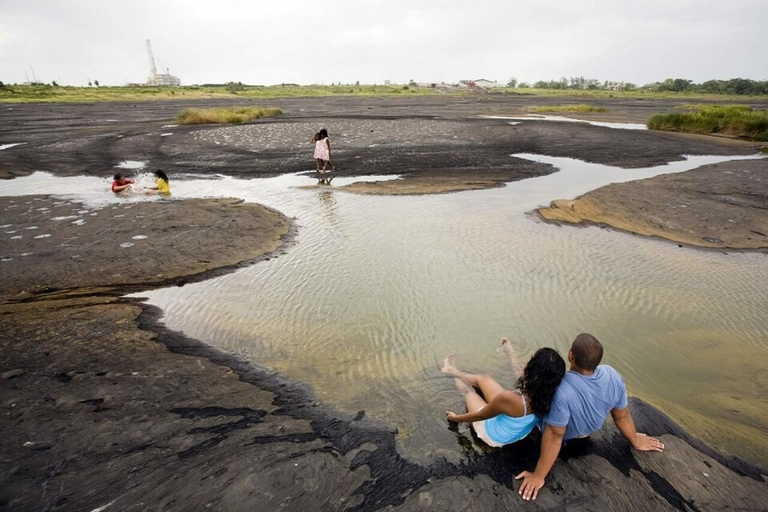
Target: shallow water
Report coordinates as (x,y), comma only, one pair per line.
(536,117)
(379,289)
(3,147)
(131,164)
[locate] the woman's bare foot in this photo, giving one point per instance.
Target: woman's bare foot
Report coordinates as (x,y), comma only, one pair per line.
(449,365)
(506,348)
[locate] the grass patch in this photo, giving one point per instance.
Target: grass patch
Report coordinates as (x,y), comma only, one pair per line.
(68,94)
(573,107)
(735,120)
(231,115)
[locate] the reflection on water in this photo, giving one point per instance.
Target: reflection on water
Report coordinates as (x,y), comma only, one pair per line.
(378,289)
(537,117)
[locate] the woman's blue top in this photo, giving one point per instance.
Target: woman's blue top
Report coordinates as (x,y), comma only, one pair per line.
(503,429)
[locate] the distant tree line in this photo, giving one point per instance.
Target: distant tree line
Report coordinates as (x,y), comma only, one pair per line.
(732,86)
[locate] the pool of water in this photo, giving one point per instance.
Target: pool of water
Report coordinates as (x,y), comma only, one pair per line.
(379,289)
(537,117)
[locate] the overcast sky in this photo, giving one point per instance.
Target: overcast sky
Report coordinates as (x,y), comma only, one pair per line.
(267,42)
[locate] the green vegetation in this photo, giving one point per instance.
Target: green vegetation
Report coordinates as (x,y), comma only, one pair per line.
(734,86)
(574,87)
(231,115)
(736,120)
(584,84)
(580,107)
(43,93)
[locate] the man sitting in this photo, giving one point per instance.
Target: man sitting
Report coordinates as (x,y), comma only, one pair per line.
(586,395)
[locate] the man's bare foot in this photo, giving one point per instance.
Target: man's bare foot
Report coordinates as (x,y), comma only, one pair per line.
(449,365)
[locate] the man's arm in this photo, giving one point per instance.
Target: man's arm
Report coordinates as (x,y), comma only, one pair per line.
(551,441)
(641,442)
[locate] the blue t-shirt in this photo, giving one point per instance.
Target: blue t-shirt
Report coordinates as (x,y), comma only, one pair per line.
(582,402)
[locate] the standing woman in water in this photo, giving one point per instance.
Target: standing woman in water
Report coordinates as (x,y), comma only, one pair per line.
(501,416)
(323,151)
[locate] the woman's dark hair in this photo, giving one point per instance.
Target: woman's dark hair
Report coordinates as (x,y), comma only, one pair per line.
(161,174)
(322,134)
(540,379)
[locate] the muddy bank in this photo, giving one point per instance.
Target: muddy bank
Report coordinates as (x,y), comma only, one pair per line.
(425,139)
(49,244)
(720,206)
(104,407)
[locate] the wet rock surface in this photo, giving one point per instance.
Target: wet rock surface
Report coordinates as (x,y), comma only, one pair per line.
(424,136)
(720,206)
(105,409)
(149,419)
(52,246)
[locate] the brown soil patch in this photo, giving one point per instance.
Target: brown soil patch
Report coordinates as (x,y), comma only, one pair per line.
(721,206)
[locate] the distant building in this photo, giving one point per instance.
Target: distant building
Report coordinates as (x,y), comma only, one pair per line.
(159,79)
(480,83)
(164,80)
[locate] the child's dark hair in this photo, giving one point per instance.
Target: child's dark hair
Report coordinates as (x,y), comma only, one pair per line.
(118,177)
(322,134)
(161,174)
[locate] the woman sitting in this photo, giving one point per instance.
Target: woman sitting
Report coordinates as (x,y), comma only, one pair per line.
(500,416)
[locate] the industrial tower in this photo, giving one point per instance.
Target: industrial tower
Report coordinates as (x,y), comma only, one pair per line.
(161,79)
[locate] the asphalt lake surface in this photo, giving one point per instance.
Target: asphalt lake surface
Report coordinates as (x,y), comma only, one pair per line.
(377,290)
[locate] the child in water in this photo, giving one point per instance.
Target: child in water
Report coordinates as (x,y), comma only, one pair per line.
(121,183)
(323,150)
(162,184)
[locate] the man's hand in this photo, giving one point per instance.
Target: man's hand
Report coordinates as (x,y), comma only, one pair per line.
(644,443)
(530,486)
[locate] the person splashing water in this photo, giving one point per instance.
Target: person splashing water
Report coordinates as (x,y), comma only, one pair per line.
(121,184)
(162,186)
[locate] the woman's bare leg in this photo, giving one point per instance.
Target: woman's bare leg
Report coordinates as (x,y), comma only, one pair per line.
(474,401)
(509,352)
(486,383)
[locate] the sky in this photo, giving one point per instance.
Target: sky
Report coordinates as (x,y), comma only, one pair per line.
(370,41)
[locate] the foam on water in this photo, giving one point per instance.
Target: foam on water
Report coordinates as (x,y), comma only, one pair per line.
(9,146)
(132,164)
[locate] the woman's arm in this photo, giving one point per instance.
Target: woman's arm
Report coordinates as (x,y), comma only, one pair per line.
(328,143)
(507,402)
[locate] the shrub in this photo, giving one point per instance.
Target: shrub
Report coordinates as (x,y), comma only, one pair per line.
(232,115)
(736,120)
(581,107)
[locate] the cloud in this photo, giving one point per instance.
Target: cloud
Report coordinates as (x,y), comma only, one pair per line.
(372,41)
